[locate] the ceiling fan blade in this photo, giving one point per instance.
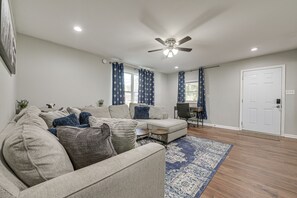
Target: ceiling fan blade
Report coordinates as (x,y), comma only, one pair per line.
(160,41)
(155,50)
(186,39)
(184,49)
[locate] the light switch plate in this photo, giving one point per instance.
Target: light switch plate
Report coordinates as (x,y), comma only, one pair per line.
(290,92)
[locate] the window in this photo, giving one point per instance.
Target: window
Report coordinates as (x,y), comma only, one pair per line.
(131,88)
(191,91)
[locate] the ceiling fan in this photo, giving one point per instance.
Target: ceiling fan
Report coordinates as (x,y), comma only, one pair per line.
(171,46)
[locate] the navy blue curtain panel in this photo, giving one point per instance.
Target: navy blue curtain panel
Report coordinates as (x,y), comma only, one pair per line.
(118,86)
(201,94)
(146,87)
(181,92)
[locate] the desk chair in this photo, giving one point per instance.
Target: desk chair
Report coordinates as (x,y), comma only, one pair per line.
(183,111)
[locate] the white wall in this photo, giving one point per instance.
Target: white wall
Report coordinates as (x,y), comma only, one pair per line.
(223,89)
(8,95)
(49,72)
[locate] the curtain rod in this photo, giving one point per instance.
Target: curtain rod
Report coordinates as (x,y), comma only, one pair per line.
(130,65)
(206,67)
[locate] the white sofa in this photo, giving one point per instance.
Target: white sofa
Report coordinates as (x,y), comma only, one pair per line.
(173,128)
(139,172)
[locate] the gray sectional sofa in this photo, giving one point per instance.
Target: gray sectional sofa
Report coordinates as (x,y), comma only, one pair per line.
(158,119)
(139,172)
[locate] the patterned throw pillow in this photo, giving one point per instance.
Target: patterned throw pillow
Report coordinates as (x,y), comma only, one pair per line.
(86,146)
(141,112)
(70,120)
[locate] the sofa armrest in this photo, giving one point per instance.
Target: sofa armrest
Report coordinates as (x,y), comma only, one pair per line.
(136,173)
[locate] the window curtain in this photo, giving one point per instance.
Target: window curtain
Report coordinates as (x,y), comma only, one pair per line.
(146,87)
(118,86)
(201,94)
(181,96)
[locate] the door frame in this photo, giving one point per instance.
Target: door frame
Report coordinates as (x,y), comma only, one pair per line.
(283,80)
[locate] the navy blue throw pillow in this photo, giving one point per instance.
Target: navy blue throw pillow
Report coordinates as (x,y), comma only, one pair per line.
(70,120)
(53,131)
(141,112)
(84,117)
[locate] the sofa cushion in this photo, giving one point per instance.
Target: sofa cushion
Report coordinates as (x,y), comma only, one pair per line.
(119,111)
(141,124)
(35,155)
(171,125)
(32,119)
(98,112)
(32,110)
(86,146)
(70,120)
(123,132)
(74,110)
(132,108)
(156,112)
(50,116)
(141,112)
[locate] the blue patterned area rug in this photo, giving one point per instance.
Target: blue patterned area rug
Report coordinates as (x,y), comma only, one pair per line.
(191,163)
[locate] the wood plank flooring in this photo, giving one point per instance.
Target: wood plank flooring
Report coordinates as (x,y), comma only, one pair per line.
(256,167)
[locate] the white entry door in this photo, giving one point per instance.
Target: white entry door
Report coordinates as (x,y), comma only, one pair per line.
(261,104)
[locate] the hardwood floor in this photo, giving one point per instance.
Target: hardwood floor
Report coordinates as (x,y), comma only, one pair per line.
(255,167)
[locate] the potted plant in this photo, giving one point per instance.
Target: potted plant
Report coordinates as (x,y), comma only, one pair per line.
(22,104)
(100,102)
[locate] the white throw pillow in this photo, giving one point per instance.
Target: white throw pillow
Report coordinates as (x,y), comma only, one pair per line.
(75,111)
(123,132)
(35,155)
(120,111)
(50,116)
(98,112)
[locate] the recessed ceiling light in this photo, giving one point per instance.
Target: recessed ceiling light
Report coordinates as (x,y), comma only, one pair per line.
(77,28)
(176,67)
(254,49)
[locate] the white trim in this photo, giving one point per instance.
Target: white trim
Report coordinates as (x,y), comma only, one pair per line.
(222,126)
(283,67)
(290,136)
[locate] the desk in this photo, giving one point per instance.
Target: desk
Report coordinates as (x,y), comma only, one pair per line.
(196,110)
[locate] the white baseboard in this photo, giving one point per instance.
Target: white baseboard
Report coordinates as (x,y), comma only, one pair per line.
(290,136)
(222,126)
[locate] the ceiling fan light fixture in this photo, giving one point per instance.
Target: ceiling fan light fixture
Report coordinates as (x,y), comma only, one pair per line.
(166,52)
(175,51)
(170,54)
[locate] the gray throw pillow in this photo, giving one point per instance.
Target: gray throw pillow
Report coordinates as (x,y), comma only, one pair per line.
(123,132)
(86,146)
(32,119)
(50,116)
(32,110)
(35,155)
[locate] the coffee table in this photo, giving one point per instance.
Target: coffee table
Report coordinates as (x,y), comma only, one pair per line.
(142,133)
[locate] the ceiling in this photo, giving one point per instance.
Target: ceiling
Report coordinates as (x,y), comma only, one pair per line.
(221,30)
